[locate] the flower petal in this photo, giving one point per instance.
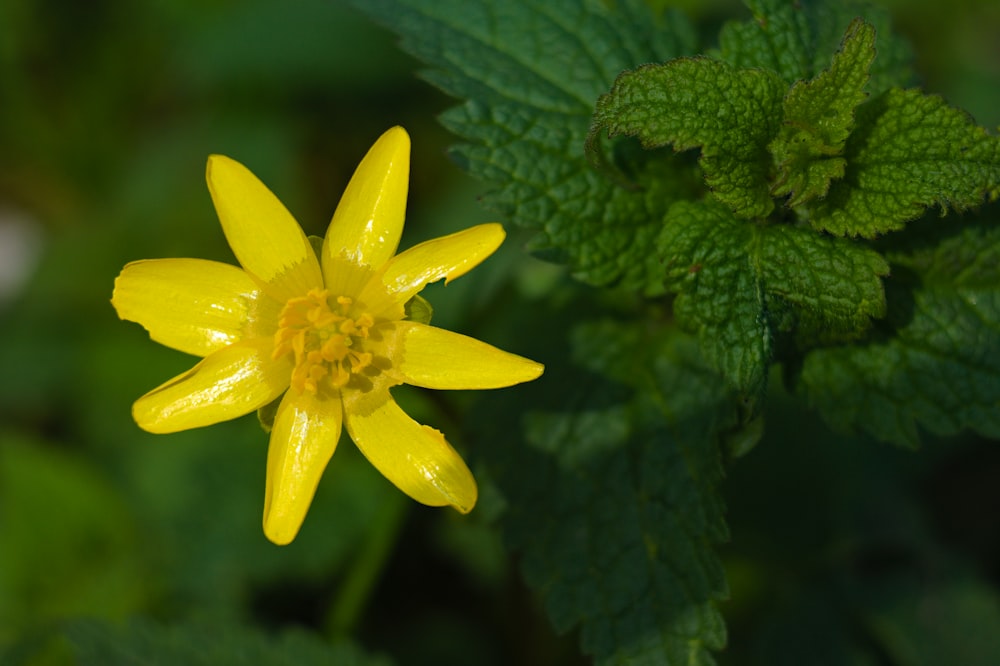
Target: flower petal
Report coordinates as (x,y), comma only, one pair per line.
(416,458)
(446,257)
(435,358)
(366,226)
(227,384)
(263,235)
(193,305)
(304,436)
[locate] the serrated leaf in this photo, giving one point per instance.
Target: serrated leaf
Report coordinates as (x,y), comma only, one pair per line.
(740,283)
(779,39)
(908,151)
(796,39)
(818,117)
(613,497)
(731,114)
(531,70)
(193,644)
(937,366)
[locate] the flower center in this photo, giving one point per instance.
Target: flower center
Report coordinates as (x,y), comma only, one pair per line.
(328,342)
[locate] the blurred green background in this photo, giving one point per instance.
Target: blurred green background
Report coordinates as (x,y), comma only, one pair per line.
(108,110)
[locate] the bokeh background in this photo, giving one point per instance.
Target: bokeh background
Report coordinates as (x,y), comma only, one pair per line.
(108,110)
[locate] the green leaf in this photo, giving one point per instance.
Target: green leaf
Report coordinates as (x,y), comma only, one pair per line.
(818,117)
(741,283)
(196,644)
(937,362)
(779,39)
(908,151)
(613,494)
(531,71)
(732,114)
(796,39)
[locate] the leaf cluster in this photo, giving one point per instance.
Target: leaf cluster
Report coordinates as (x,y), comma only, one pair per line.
(786,196)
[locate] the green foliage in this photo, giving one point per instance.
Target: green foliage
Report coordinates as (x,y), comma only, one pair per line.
(908,151)
(796,40)
(531,70)
(618,472)
(768,244)
(808,143)
(936,362)
(731,114)
(818,117)
(742,284)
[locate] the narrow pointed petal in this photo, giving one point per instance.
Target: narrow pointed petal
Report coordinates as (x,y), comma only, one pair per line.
(416,458)
(446,257)
(435,358)
(303,439)
(227,384)
(366,227)
(263,235)
(192,305)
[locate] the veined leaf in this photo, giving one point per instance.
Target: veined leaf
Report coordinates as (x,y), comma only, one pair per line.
(796,39)
(819,116)
(613,495)
(731,114)
(740,283)
(908,151)
(528,72)
(938,363)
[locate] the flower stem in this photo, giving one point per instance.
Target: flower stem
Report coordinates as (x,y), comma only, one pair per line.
(359,582)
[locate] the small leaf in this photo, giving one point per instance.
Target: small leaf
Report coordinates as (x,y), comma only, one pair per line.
(796,39)
(732,114)
(908,151)
(779,39)
(418,309)
(266,414)
(741,283)
(818,117)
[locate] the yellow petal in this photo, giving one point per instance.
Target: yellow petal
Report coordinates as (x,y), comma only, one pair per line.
(304,436)
(193,305)
(446,257)
(227,384)
(368,221)
(263,235)
(416,458)
(439,359)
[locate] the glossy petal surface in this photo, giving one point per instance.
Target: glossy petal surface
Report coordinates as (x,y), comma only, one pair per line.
(193,305)
(227,384)
(416,458)
(303,439)
(263,235)
(366,227)
(439,359)
(447,257)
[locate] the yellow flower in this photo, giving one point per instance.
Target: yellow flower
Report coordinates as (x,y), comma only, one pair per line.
(328,332)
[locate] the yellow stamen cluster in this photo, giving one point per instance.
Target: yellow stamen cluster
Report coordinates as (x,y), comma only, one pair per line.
(328,343)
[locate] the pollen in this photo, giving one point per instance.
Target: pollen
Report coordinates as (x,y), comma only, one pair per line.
(328,338)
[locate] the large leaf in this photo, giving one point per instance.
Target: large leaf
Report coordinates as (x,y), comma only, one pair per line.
(936,363)
(613,495)
(531,71)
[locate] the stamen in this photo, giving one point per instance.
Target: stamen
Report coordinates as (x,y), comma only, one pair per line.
(327,344)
